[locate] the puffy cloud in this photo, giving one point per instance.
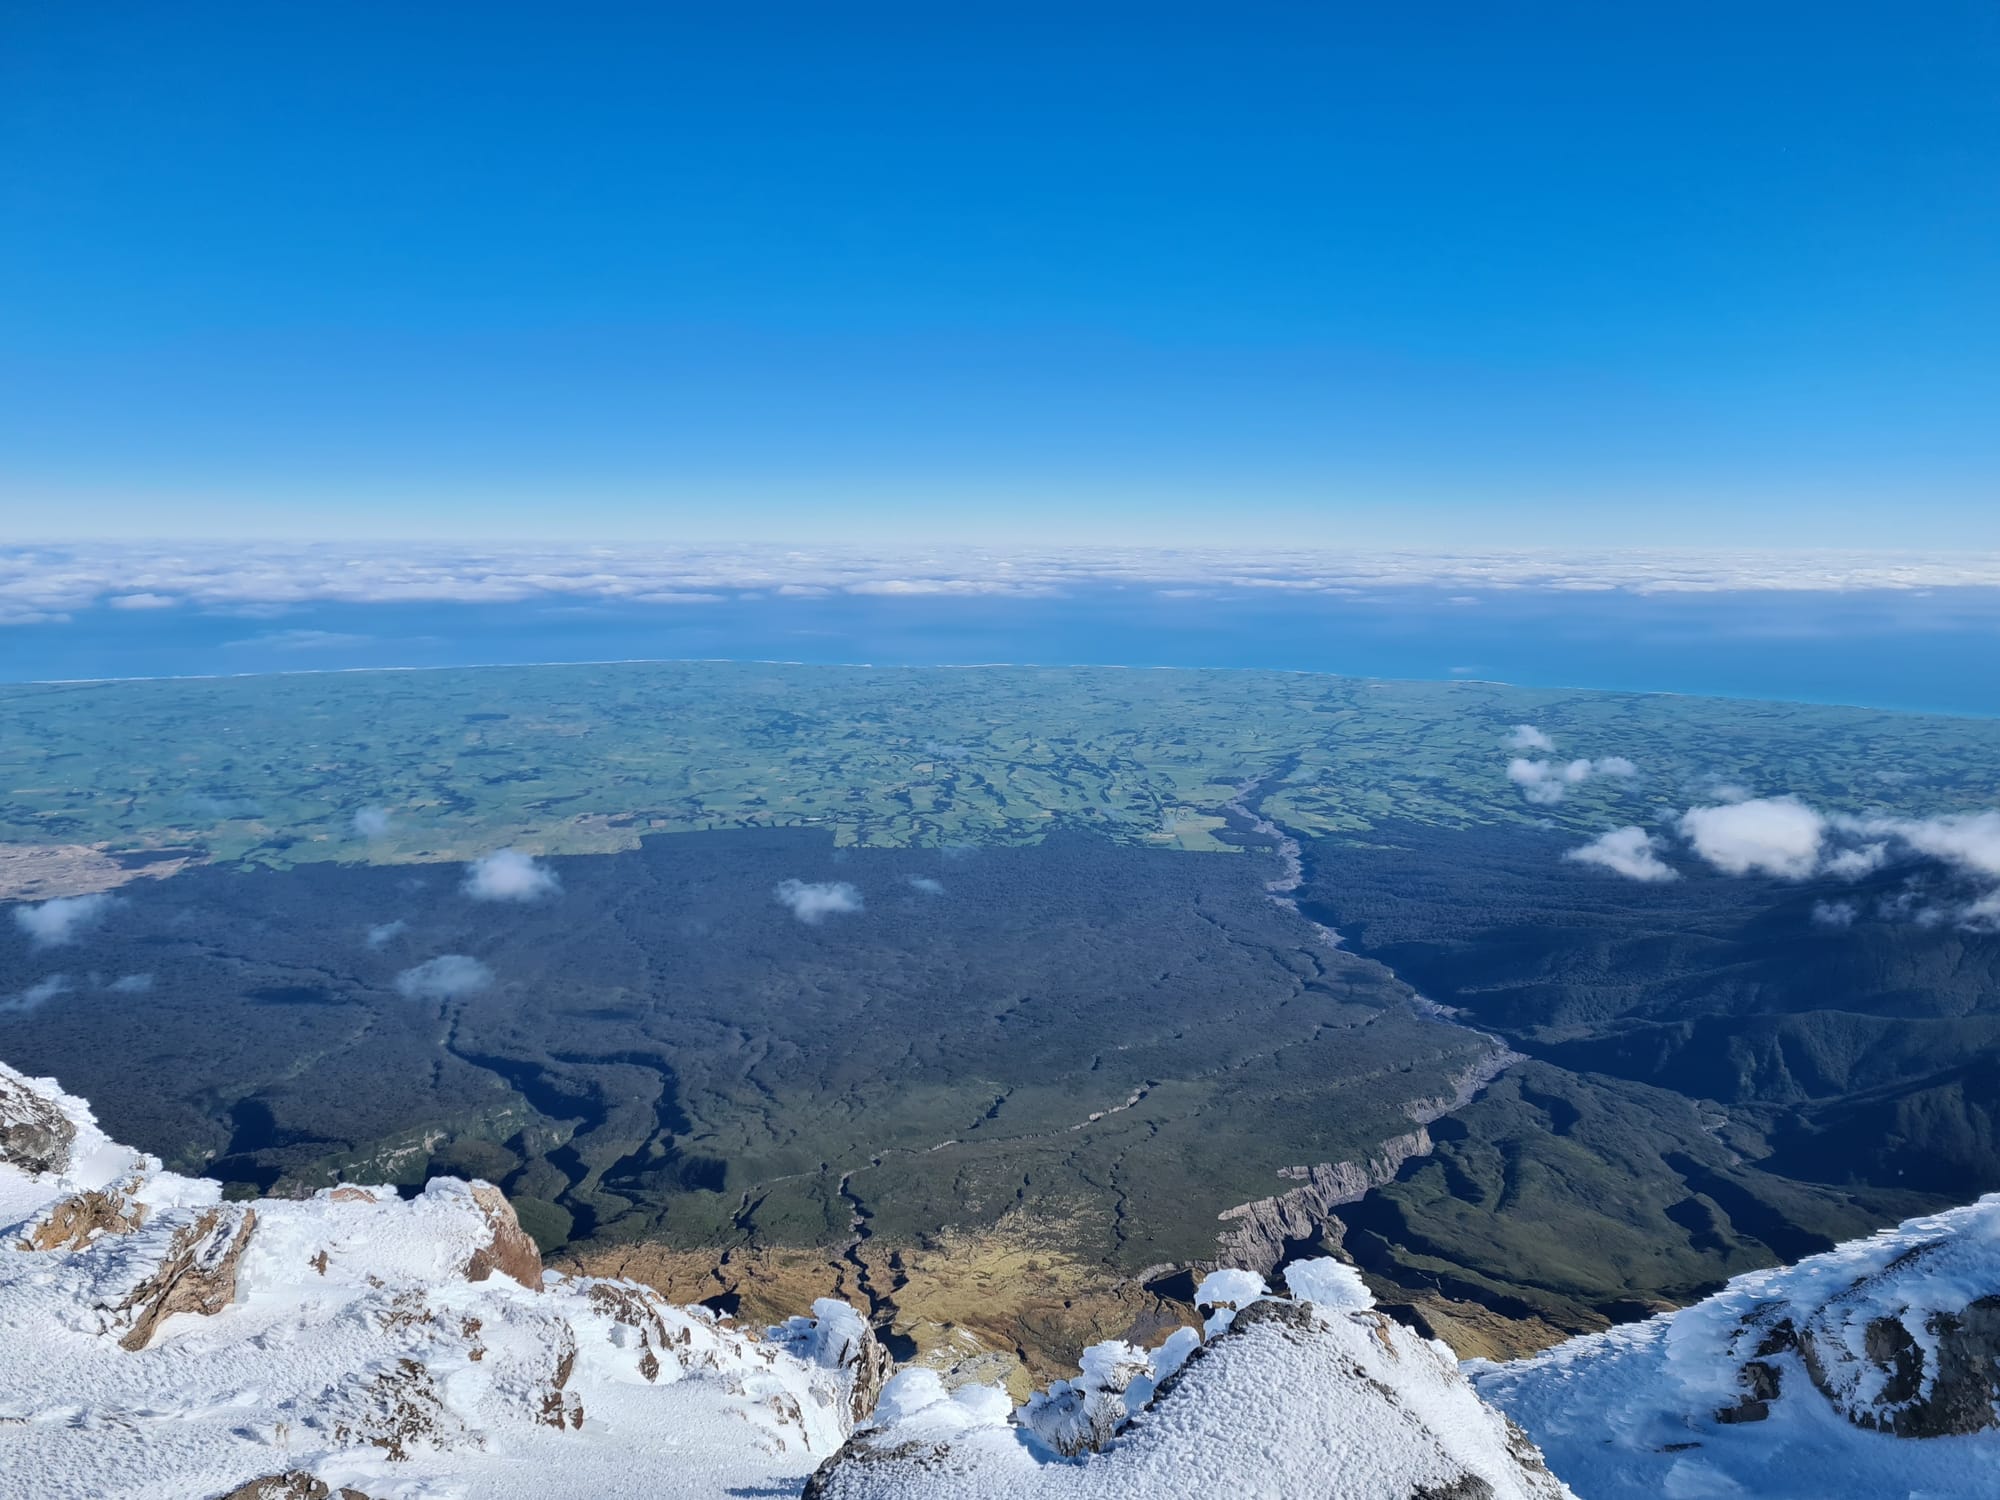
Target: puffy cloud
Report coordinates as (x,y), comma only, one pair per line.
(1631,852)
(1546,782)
(1966,841)
(925,885)
(1765,836)
(383,933)
(372,822)
(63,920)
(449,977)
(1527,737)
(1835,913)
(812,902)
(509,875)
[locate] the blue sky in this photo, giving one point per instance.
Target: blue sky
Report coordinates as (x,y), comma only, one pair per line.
(1691,275)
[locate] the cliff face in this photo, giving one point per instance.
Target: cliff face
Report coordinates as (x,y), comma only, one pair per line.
(1798,1381)
(157,1342)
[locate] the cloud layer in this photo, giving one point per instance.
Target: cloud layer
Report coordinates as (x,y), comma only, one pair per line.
(812,902)
(46,582)
(509,875)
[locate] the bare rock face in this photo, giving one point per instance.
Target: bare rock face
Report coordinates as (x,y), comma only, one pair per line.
(35,1135)
(197,1274)
(510,1252)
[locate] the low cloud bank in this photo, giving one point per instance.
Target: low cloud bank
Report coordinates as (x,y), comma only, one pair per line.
(445,978)
(63,920)
(47,582)
(509,875)
(812,902)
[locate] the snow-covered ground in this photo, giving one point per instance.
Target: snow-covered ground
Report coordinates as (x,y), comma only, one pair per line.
(158,1342)
(354,1346)
(1315,1395)
(1632,1414)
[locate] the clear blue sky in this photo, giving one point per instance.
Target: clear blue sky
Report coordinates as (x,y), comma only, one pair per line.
(1552,274)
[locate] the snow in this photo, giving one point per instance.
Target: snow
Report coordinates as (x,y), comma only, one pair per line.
(1329,1399)
(1630,1414)
(333,1294)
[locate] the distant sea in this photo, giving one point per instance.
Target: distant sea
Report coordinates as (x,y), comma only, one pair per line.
(1935,651)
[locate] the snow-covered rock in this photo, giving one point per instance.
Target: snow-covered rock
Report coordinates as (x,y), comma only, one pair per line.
(1871,1370)
(1286,1398)
(158,1342)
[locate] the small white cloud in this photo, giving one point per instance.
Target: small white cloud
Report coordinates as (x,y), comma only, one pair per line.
(446,978)
(130,984)
(509,875)
(63,920)
(1835,913)
(372,822)
(812,902)
(1852,864)
(1546,782)
(1778,836)
(926,885)
(1631,852)
(142,601)
(1527,737)
(39,993)
(384,932)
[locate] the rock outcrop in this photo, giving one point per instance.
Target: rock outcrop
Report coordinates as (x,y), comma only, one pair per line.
(197,1274)
(510,1251)
(295,1485)
(35,1135)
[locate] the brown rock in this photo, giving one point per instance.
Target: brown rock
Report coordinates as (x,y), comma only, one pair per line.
(510,1251)
(197,1275)
(83,1217)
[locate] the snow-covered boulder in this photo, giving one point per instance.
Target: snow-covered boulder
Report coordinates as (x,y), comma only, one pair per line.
(1286,1398)
(1873,1369)
(158,1342)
